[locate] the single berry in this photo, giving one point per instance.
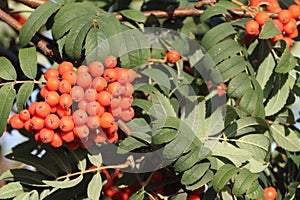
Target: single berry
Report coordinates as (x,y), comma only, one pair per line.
(173,56)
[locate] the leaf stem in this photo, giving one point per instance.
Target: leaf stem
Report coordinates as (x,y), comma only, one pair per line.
(92,170)
(20,82)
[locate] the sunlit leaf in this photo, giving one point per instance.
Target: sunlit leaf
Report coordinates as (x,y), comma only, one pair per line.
(64,184)
(7,70)
(94,187)
(28,61)
(23,94)
(10,190)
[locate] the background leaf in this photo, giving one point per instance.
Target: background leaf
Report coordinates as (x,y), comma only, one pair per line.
(36,20)
(24,94)
(7,70)
(28,62)
(7,94)
(223,175)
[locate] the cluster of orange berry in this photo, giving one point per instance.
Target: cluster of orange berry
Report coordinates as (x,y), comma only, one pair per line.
(286,22)
(80,108)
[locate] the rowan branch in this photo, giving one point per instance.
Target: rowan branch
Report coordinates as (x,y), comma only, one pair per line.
(32,3)
(43,45)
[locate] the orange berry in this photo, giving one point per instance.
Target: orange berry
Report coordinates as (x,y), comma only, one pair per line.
(36,137)
(116,112)
(70,76)
(129,89)
(90,95)
(277,37)
(99,83)
(94,108)
(52,72)
(126,103)
(42,109)
(52,98)
(100,137)
(66,124)
(273,6)
(27,126)
(80,117)
(295,10)
(96,68)
(173,56)
(110,75)
(106,120)
(82,105)
(61,111)
(93,122)
(53,109)
(122,75)
(56,141)
(290,26)
(81,131)
(294,34)
(115,102)
(104,98)
(111,130)
(261,17)
(192,197)
(24,115)
(46,135)
(84,80)
(284,16)
(127,115)
(75,144)
(82,69)
(289,41)
(110,62)
(52,121)
(37,123)
(252,27)
(111,138)
(64,87)
(16,122)
(114,88)
(32,107)
(44,91)
(77,93)
(64,67)
(65,101)
(270,193)
(67,136)
(52,83)
(199,190)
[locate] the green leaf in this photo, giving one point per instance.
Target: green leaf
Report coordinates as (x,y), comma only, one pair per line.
(246,125)
(287,62)
(94,187)
(257,144)
(213,36)
(243,182)
(10,190)
(224,50)
(75,37)
(212,11)
(268,30)
(265,70)
(231,67)
(139,125)
(7,70)
(97,48)
(161,107)
(249,101)
(65,19)
(134,15)
(284,83)
(239,85)
(35,20)
(95,159)
(24,176)
(206,178)
(28,61)
(236,155)
(23,196)
(129,144)
(164,135)
(214,124)
(194,174)
(223,175)
(285,137)
(195,116)
(138,195)
(159,77)
(143,104)
(64,184)
(255,191)
(23,94)
(195,57)
(7,94)
(136,49)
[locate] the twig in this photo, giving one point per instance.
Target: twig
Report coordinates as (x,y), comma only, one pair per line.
(32,3)
(43,45)
(123,126)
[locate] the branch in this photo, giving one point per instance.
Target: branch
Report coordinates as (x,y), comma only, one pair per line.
(32,3)
(43,45)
